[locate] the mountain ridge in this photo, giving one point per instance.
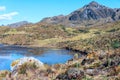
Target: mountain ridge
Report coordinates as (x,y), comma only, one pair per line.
(18,24)
(89,15)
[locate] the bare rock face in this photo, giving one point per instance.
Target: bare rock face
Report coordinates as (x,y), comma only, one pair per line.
(92,11)
(90,14)
(25,63)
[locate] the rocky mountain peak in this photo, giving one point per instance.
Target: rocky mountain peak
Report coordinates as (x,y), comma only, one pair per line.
(90,14)
(94,5)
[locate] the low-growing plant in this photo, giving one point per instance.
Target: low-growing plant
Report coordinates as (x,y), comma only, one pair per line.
(104,77)
(77,65)
(25,66)
(115,44)
(83,31)
(87,78)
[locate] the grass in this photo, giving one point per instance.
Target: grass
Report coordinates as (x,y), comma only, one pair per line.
(87,78)
(25,66)
(52,35)
(14,31)
(96,38)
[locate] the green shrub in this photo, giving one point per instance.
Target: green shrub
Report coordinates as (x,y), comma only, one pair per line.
(25,66)
(83,31)
(97,33)
(115,44)
(77,65)
(113,30)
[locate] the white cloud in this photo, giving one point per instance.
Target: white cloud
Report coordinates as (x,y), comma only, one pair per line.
(2,8)
(8,16)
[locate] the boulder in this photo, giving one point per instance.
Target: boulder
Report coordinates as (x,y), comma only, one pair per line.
(26,62)
(72,73)
(75,73)
(92,72)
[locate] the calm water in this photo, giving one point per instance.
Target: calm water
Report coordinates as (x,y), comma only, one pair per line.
(49,56)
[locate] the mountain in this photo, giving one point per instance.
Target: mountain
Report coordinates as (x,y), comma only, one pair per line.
(89,15)
(18,24)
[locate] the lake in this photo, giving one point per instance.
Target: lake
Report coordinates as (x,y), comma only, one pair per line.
(9,53)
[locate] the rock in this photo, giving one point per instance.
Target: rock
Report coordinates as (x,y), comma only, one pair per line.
(75,73)
(30,61)
(62,76)
(92,72)
(72,73)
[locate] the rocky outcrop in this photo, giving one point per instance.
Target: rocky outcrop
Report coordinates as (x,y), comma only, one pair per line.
(25,63)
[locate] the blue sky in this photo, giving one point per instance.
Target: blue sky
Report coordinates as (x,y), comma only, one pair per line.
(34,10)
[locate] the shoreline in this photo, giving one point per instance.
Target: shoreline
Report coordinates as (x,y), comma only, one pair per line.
(49,47)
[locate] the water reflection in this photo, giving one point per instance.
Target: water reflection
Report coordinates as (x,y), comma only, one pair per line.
(46,55)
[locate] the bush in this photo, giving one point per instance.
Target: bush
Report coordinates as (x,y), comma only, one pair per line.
(115,44)
(83,31)
(113,30)
(97,33)
(77,65)
(25,66)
